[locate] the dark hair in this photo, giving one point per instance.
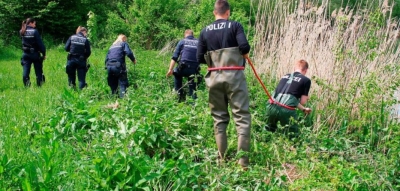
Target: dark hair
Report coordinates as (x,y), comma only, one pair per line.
(221,6)
(24,24)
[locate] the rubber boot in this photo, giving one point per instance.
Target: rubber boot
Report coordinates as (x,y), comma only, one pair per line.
(244,145)
(222,144)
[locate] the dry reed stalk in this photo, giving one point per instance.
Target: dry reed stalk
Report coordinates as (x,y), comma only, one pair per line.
(332,46)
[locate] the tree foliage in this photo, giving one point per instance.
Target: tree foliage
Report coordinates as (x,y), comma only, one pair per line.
(148,23)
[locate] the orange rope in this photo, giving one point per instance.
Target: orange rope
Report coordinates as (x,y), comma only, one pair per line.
(258,78)
(271,100)
(227,68)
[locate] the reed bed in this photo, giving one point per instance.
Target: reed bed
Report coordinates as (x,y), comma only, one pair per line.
(352,53)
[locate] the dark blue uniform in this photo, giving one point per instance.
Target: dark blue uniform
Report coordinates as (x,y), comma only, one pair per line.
(116,67)
(187,67)
(32,46)
(78,47)
(230,32)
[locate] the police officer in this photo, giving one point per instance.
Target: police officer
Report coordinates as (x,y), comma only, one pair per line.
(115,65)
(32,46)
(223,46)
(78,47)
(187,65)
(291,92)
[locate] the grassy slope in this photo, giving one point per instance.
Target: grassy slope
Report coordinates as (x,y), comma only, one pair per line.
(55,138)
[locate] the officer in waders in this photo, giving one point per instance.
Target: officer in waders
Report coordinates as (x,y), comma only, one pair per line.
(116,67)
(291,93)
(78,47)
(187,67)
(223,46)
(32,46)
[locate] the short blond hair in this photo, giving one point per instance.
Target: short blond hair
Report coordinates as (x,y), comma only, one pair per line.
(188,32)
(120,38)
(301,64)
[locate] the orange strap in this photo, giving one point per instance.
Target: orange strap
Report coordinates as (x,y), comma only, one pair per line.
(281,104)
(227,68)
(271,100)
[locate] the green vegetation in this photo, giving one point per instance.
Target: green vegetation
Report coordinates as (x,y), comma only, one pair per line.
(55,138)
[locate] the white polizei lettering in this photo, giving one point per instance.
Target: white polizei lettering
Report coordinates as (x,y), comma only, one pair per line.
(78,40)
(216,26)
(221,25)
(112,47)
(191,46)
(191,43)
(78,43)
(29,33)
(229,26)
(297,79)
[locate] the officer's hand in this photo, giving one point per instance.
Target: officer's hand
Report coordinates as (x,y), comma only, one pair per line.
(169,73)
(134,62)
(307,110)
(44,57)
(246,55)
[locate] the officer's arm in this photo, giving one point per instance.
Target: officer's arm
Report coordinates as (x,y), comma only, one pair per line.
(177,51)
(304,109)
(244,45)
(304,97)
(128,52)
(201,49)
(171,65)
(68,45)
(88,51)
(39,42)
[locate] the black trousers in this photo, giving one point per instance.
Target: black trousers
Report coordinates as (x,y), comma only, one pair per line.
(186,72)
(74,66)
(26,61)
(117,77)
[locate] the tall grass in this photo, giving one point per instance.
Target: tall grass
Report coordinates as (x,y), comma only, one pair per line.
(353,58)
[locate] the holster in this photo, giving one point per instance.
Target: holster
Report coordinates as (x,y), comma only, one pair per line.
(182,65)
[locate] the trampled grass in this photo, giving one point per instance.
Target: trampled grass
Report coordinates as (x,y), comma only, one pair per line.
(55,138)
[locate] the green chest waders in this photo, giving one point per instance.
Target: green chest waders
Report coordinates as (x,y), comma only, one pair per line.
(277,113)
(226,83)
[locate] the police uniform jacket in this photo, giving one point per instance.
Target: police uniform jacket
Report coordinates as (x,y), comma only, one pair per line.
(118,51)
(31,39)
(186,50)
(78,45)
